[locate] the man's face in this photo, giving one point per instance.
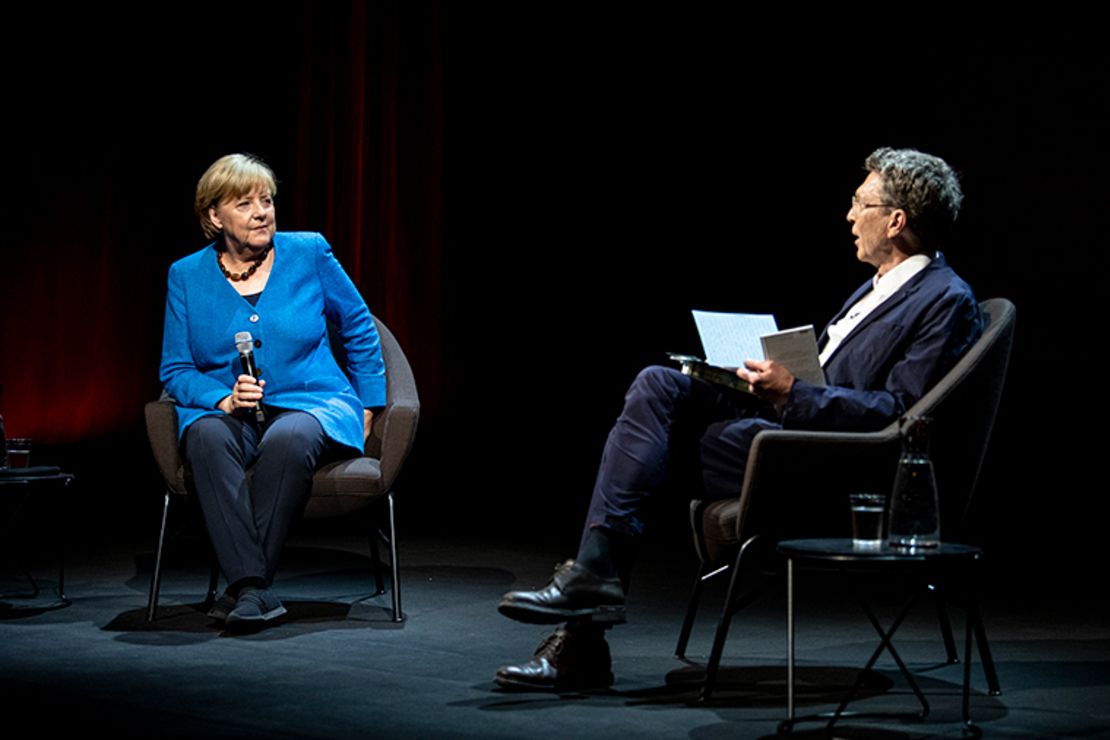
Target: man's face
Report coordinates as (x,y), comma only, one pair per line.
(870,217)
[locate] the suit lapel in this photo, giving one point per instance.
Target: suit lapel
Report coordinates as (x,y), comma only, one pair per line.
(860,291)
(897,298)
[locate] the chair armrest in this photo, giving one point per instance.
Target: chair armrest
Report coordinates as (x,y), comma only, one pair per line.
(797,481)
(398,429)
(799,439)
(394,430)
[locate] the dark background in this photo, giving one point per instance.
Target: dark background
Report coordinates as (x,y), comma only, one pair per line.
(534,199)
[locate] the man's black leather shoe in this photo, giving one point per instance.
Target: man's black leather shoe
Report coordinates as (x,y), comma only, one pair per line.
(566,661)
(574,593)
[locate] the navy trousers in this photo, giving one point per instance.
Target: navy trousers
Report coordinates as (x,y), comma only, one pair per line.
(248,520)
(673,428)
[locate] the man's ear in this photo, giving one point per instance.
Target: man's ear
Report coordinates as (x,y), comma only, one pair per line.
(896,223)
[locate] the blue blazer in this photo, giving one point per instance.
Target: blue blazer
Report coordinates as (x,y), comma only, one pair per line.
(892,357)
(306,288)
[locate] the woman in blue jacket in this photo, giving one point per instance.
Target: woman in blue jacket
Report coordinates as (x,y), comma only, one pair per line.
(282,288)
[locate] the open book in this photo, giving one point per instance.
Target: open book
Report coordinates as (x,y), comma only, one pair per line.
(730,338)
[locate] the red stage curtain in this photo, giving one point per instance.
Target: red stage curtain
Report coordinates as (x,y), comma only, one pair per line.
(343,100)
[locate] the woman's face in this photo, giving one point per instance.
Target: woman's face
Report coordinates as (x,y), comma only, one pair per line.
(248,221)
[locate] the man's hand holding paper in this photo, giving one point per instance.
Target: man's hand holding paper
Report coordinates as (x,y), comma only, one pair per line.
(769,380)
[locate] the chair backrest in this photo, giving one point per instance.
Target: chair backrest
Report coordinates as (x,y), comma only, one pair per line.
(963,406)
(797,481)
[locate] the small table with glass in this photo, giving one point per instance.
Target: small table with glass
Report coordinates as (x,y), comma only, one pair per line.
(949,569)
(18,480)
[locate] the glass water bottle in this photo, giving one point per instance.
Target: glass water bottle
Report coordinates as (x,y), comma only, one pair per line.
(914,505)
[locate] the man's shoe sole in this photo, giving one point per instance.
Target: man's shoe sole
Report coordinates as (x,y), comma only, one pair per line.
(535,614)
(508,683)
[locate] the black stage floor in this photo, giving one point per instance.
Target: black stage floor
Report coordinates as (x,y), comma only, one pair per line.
(335,666)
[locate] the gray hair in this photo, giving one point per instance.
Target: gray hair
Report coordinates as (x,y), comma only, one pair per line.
(923,186)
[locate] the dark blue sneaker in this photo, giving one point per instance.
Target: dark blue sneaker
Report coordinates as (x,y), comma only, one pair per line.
(254,606)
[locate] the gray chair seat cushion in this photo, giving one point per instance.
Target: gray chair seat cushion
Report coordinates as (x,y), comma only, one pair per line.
(344,486)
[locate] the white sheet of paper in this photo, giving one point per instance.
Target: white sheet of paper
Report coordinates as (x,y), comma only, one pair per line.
(730,338)
(796,349)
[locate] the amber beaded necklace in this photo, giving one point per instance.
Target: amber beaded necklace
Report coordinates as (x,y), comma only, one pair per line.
(246,274)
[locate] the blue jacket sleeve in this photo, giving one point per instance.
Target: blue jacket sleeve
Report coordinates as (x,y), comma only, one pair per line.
(179,372)
(904,370)
(345,308)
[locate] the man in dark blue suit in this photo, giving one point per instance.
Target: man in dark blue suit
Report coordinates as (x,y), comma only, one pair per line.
(894,338)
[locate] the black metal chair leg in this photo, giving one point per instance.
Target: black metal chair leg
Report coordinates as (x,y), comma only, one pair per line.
(213,582)
(62,550)
(375,557)
(398,615)
(727,613)
(156,576)
(691,613)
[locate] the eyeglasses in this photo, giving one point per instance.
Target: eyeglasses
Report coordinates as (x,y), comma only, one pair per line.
(859,206)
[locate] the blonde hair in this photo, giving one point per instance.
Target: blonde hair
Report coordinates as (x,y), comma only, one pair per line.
(230,176)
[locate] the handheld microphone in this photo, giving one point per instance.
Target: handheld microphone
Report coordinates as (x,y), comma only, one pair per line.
(244,342)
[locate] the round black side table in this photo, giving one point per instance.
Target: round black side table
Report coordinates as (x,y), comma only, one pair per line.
(16,486)
(949,563)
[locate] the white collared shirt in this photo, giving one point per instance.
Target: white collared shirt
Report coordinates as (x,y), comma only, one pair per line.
(882,287)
